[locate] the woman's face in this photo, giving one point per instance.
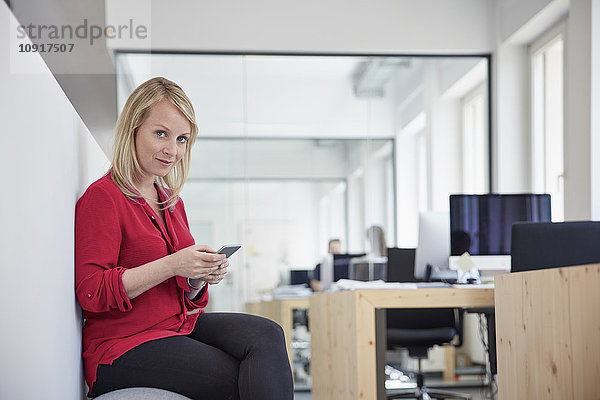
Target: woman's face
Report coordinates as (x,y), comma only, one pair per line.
(161,140)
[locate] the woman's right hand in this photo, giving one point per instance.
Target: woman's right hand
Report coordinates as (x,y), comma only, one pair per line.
(196,262)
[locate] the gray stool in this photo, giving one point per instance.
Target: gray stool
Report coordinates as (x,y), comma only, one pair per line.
(141,393)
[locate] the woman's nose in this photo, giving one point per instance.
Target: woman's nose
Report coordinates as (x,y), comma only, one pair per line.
(170,148)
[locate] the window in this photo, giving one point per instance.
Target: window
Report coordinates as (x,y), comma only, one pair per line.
(547,63)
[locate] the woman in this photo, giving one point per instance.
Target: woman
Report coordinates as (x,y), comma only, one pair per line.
(142,282)
(376,242)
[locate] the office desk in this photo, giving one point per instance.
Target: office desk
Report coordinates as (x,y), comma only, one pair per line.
(548,333)
(282,312)
(343,334)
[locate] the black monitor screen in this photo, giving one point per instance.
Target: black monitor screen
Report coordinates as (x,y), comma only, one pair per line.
(300,276)
(481,224)
(340,265)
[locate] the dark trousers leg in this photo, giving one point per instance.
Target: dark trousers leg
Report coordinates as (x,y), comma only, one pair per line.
(178,364)
(258,344)
(227,356)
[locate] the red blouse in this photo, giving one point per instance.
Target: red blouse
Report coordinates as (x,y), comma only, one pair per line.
(113,233)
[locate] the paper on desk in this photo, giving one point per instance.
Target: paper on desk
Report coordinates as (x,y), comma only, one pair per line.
(291,291)
(349,284)
(475,286)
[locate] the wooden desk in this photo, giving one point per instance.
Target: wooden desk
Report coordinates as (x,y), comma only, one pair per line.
(282,312)
(342,325)
(548,333)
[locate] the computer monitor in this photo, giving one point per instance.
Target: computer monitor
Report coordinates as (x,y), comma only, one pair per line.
(341,264)
(400,265)
(434,242)
(333,267)
(481,225)
(300,276)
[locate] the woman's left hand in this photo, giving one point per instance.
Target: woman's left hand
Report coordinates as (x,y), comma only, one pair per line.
(218,275)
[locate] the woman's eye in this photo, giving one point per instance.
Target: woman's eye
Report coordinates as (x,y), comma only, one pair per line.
(160,133)
(182,139)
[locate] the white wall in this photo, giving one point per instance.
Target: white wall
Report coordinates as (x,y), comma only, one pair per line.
(407,188)
(409,124)
(43,142)
(87,69)
(578,111)
(510,131)
(424,26)
(443,132)
(512,15)
(595,107)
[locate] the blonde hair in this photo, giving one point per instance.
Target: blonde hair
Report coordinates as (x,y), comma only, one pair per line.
(125,169)
(377,242)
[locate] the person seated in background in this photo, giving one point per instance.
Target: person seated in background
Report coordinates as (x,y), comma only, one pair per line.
(334,247)
(377,248)
(142,282)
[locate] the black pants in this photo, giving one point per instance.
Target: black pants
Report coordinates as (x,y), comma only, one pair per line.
(226,356)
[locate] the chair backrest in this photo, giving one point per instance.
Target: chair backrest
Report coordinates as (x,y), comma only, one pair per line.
(400,265)
(539,245)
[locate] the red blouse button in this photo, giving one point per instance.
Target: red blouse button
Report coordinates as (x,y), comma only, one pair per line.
(89,296)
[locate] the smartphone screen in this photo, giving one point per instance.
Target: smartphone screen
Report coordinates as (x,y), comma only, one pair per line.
(229,249)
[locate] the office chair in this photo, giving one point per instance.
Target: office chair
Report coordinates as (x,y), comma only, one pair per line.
(419,329)
(537,245)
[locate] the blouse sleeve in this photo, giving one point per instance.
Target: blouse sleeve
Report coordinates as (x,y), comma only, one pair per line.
(98,279)
(201,299)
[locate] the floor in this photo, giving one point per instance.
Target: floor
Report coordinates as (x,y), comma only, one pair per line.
(475,392)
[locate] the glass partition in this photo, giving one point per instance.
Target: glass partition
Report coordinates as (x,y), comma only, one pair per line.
(296,150)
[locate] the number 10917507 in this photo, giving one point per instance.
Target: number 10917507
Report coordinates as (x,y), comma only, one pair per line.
(46,47)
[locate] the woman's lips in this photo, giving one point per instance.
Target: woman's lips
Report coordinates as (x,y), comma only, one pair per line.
(165,163)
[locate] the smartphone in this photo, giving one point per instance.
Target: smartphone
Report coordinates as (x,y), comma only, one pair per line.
(229,249)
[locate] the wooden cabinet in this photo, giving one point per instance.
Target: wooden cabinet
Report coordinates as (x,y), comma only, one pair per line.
(548,333)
